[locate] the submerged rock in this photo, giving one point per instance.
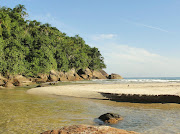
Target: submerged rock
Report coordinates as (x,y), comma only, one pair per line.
(110,118)
(88,129)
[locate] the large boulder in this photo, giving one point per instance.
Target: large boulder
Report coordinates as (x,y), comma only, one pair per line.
(62,76)
(88,129)
(110,118)
(72,75)
(19,80)
(1,77)
(2,82)
(77,77)
(115,76)
(42,77)
(104,73)
(85,73)
(9,84)
(98,75)
(54,75)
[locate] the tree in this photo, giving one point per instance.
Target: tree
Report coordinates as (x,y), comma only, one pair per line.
(29,47)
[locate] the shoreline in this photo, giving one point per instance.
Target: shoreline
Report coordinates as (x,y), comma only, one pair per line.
(147,92)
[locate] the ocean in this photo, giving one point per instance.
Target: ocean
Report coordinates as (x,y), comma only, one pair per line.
(135,80)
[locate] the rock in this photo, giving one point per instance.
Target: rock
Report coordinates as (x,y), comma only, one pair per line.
(42,85)
(85,74)
(17,82)
(77,77)
(53,72)
(2,82)
(62,77)
(98,75)
(20,80)
(89,73)
(1,77)
(72,75)
(110,118)
(115,76)
(1,87)
(39,80)
(8,84)
(88,129)
(42,77)
(104,73)
(53,77)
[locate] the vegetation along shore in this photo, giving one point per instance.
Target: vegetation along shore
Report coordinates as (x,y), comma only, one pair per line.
(34,52)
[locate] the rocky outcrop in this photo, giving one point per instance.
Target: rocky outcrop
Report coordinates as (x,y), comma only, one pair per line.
(2,82)
(88,129)
(98,75)
(41,78)
(54,76)
(104,73)
(62,76)
(85,74)
(110,118)
(19,80)
(115,76)
(9,84)
(70,75)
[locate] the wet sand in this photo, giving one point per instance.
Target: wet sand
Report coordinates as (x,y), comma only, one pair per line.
(96,90)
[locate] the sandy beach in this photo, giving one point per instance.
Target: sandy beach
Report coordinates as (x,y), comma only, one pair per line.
(94,90)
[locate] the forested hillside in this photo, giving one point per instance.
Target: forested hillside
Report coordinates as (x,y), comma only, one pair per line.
(29,47)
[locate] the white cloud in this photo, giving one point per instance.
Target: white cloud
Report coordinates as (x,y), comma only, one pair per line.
(103,36)
(138,62)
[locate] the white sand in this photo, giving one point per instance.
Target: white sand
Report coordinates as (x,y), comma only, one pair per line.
(91,90)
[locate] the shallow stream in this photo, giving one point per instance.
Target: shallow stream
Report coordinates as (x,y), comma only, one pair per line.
(31,114)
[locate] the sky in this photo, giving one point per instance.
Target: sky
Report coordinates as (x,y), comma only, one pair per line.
(137,38)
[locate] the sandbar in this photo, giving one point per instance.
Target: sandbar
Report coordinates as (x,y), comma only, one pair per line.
(96,90)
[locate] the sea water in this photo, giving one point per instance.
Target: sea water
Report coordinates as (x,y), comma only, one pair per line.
(25,113)
(135,80)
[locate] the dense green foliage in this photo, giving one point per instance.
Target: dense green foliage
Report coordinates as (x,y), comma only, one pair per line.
(29,47)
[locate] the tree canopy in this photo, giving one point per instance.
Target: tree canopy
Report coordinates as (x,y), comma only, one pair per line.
(29,47)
